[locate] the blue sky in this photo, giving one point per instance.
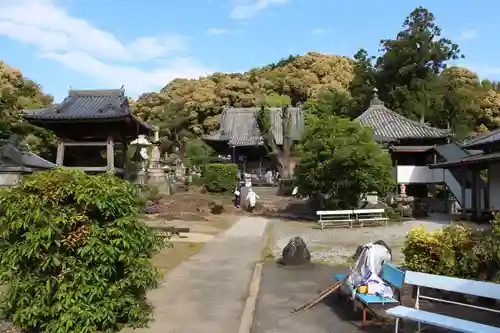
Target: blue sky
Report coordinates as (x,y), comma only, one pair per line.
(91,44)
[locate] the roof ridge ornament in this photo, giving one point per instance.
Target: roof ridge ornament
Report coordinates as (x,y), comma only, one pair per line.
(375,99)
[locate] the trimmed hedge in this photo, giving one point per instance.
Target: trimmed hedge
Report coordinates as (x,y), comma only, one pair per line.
(220,178)
(455,251)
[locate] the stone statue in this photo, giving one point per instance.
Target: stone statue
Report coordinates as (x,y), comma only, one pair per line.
(156,134)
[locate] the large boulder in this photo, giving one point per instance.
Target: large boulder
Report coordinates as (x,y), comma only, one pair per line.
(296,253)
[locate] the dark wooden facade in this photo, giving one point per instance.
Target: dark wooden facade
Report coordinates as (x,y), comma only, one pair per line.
(239,137)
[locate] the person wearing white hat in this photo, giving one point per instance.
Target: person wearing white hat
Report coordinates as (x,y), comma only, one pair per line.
(252,199)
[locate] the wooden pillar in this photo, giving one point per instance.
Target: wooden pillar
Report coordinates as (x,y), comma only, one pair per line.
(487,190)
(125,151)
(395,171)
(110,153)
(476,199)
(464,194)
(125,159)
(60,153)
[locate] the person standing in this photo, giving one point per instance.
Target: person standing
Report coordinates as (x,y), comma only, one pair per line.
(252,199)
(237,195)
(269,177)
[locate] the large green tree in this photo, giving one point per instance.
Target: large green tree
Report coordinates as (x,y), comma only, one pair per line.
(408,67)
(457,106)
(361,86)
(339,160)
(331,102)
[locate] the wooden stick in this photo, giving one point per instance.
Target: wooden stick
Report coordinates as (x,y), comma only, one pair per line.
(313,301)
(319,299)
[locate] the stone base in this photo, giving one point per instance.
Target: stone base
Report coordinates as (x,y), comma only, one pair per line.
(157,177)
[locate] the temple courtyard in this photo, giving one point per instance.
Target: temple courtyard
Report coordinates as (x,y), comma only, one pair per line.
(232,284)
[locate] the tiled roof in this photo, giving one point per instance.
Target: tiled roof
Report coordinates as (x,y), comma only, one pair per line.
(410,148)
(483,139)
(469,160)
(11,155)
(389,124)
(86,104)
(239,127)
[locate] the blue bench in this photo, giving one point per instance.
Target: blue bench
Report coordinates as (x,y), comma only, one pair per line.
(462,286)
(391,275)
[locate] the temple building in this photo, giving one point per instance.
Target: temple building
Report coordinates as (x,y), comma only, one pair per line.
(90,124)
(416,149)
(239,137)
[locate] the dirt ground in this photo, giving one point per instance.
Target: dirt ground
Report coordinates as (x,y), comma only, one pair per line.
(189,210)
(171,257)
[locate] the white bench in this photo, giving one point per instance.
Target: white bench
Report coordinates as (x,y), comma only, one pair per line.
(336,217)
(370,216)
(462,286)
(349,217)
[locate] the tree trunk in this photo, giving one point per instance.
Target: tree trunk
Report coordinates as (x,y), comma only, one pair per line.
(287,143)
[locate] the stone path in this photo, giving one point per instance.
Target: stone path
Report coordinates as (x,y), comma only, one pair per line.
(207,293)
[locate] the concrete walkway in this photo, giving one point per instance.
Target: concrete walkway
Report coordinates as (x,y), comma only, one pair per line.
(207,293)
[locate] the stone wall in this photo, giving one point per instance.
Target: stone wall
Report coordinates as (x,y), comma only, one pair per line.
(9,178)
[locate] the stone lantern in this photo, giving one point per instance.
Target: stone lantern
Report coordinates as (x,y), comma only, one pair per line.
(142,144)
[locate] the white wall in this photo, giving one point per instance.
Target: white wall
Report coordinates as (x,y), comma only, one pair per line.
(494,185)
(407,174)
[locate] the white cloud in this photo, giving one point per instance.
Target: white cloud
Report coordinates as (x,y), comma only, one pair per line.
(246,9)
(319,31)
(79,45)
(217,31)
(484,71)
(468,35)
(116,75)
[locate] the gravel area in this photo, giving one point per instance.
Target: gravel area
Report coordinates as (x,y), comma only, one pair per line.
(336,246)
(7,327)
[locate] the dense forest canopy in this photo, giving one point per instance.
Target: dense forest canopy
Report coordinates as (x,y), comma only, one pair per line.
(16,94)
(413,75)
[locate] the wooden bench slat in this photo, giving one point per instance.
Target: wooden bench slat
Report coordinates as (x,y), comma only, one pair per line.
(443,321)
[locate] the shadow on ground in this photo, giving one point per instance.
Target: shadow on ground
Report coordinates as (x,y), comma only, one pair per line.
(284,288)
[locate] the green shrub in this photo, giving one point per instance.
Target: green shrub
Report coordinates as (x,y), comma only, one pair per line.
(392,214)
(74,255)
(152,193)
(447,251)
(220,178)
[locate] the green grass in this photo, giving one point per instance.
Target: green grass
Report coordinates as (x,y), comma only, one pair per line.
(267,254)
(169,258)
